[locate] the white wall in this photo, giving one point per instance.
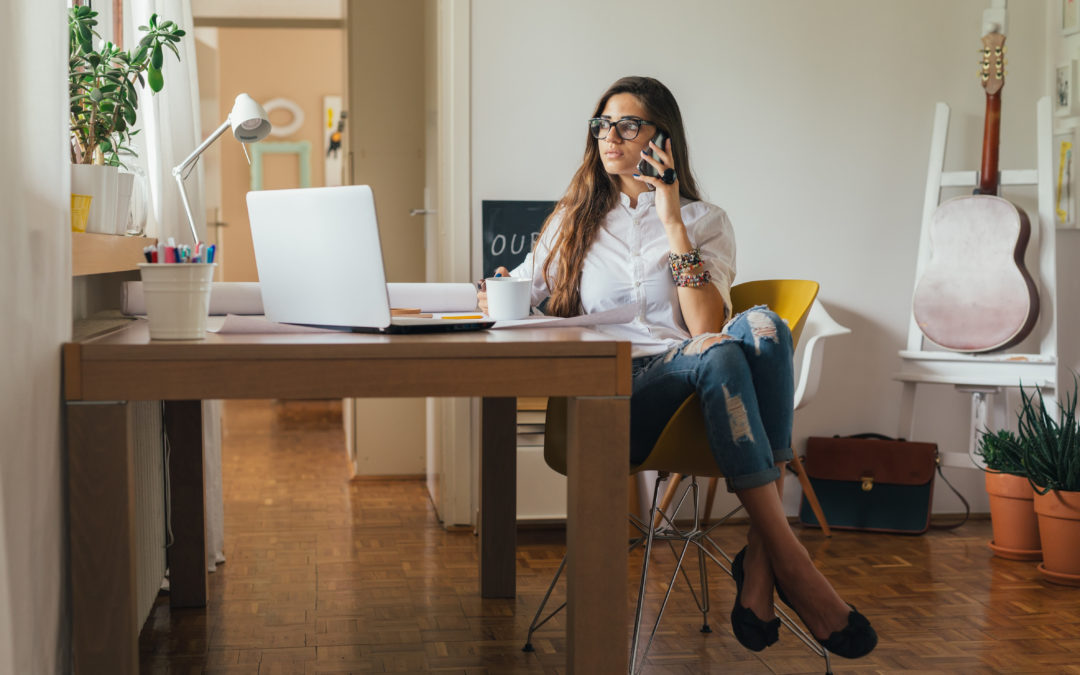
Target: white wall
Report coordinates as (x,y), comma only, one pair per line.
(35,303)
(809,122)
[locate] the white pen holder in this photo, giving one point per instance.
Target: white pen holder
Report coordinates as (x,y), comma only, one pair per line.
(177,297)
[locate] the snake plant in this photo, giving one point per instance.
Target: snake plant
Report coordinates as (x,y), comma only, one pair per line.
(1002,452)
(1051,443)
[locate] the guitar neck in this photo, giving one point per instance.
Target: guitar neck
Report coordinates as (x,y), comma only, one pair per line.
(988,175)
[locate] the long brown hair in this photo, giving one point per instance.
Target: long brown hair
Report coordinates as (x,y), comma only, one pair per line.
(593,192)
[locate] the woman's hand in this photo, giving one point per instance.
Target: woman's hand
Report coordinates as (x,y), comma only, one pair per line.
(668,206)
(481,293)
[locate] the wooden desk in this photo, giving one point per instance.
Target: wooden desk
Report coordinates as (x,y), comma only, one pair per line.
(101,375)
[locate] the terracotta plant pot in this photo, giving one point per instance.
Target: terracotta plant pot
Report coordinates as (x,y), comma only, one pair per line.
(1012,515)
(1059,525)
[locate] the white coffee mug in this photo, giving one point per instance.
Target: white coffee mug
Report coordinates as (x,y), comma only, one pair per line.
(508,297)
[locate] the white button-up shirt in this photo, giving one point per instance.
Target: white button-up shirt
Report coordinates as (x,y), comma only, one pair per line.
(628,264)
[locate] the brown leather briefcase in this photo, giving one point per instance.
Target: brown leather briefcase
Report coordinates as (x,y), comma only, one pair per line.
(871,482)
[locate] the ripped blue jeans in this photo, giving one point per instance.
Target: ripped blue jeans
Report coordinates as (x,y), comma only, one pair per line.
(746,385)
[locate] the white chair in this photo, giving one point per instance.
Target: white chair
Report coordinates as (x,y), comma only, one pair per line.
(810,353)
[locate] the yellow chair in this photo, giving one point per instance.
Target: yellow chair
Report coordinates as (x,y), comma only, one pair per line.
(791,299)
(682,449)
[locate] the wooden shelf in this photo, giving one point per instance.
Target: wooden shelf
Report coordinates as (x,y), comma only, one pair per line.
(93,253)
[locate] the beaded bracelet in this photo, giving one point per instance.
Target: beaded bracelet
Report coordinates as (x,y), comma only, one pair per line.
(683,261)
(693,280)
(681,266)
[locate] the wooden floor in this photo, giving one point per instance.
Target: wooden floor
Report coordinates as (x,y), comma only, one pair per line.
(324,575)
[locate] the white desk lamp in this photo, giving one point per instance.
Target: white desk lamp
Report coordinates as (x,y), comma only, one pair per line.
(249,125)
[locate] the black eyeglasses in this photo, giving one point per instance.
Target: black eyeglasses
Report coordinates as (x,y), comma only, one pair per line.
(627,128)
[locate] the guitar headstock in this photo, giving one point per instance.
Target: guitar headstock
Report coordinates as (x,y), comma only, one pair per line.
(992,66)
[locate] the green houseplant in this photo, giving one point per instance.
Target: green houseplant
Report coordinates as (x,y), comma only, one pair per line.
(101,84)
(1051,447)
(1012,508)
(103,107)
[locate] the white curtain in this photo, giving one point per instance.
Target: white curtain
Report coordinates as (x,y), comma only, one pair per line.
(171,130)
(170,122)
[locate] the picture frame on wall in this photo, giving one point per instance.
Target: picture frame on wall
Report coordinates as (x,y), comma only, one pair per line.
(1064,189)
(1065,89)
(1070,17)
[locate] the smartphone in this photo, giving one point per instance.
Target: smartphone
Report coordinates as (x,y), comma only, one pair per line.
(643,167)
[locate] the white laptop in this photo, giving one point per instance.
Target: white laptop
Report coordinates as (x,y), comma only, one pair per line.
(320,263)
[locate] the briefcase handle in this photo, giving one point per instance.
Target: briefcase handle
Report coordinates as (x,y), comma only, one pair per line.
(871,435)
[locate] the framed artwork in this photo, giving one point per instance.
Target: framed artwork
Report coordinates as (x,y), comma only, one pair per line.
(1065,89)
(1064,191)
(1070,16)
(302,150)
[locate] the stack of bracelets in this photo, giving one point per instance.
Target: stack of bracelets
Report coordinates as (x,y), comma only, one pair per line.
(687,269)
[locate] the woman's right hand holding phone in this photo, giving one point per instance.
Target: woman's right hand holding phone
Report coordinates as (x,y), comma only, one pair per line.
(481,293)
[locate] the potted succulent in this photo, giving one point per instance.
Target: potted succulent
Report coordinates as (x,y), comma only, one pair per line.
(1051,446)
(104,106)
(1012,508)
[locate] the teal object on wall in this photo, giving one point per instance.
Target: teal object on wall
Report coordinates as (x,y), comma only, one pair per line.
(302,149)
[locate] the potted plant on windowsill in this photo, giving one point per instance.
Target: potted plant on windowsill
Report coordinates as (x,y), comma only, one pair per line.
(1052,462)
(1012,509)
(104,103)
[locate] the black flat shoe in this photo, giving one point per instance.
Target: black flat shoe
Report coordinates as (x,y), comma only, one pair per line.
(857,638)
(750,631)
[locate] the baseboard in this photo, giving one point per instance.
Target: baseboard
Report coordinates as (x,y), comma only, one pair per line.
(356,478)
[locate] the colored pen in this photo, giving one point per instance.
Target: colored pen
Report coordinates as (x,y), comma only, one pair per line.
(467,316)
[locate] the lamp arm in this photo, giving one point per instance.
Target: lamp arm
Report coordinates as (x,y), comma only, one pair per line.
(187,206)
(190,159)
(178,174)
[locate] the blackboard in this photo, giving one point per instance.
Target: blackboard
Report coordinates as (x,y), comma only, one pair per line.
(510,228)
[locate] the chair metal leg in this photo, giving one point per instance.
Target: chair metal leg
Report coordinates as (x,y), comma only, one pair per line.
(644,576)
(710,495)
(704,593)
(669,494)
(536,623)
(635,523)
(687,539)
(808,492)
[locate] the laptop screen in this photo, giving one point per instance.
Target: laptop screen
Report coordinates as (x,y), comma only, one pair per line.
(318,256)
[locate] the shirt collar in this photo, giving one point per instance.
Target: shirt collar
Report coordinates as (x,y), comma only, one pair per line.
(644,200)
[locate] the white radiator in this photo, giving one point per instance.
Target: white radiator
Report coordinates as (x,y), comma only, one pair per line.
(149,505)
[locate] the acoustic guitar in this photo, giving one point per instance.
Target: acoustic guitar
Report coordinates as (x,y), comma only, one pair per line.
(975,294)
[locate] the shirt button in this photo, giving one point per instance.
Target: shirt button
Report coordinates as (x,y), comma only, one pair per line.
(636,284)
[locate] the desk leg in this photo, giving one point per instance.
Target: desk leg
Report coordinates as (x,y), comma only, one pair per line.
(187,555)
(101,504)
(498,498)
(598,460)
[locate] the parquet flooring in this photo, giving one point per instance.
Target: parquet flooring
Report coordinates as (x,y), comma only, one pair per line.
(324,575)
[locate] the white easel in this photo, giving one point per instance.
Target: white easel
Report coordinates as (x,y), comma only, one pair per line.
(983,375)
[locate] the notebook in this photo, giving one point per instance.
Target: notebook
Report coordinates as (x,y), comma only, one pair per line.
(320,262)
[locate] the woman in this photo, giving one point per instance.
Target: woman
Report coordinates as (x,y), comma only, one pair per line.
(619,237)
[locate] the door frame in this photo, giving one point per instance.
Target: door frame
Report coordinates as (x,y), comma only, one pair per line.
(455,421)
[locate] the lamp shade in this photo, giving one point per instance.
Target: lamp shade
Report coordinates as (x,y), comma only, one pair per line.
(248,120)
